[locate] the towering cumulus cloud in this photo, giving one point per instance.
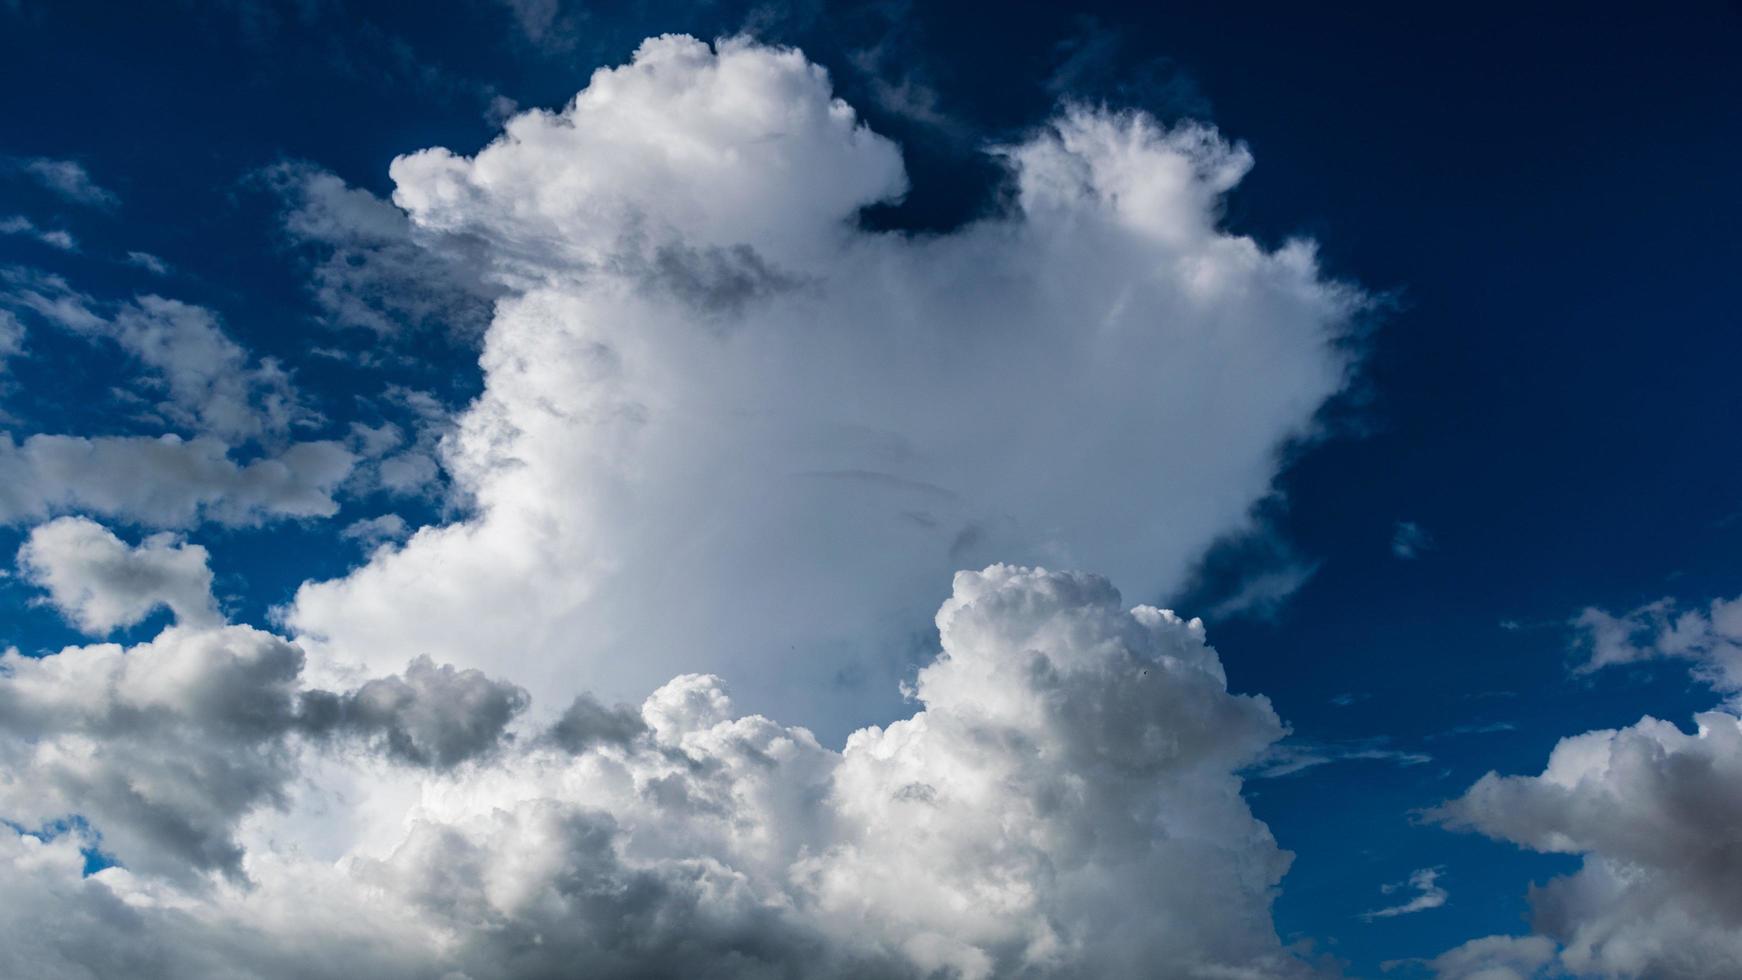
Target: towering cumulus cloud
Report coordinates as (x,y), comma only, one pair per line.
(726,428)
(729,435)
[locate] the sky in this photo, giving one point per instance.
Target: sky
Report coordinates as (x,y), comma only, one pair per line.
(522,489)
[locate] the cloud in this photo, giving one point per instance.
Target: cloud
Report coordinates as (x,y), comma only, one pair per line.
(161,748)
(1652,811)
(150,263)
(374,531)
(368,267)
(70,180)
(54,238)
(166,481)
(1649,808)
(165,747)
(212,384)
(1495,958)
(696,327)
(11,337)
(1428,895)
(1300,754)
(1409,540)
(1711,638)
(1063,802)
(101,584)
(430,716)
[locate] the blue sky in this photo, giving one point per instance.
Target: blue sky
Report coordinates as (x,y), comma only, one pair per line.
(1502,393)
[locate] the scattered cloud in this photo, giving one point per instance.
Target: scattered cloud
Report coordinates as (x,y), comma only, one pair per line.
(166,481)
(70,180)
(211,384)
(150,263)
(1295,755)
(368,267)
(372,532)
(101,584)
(1476,728)
(1651,810)
(1494,958)
(54,238)
(11,337)
(1428,895)
(1710,638)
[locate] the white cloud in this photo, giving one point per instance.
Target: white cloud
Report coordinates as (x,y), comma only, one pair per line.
(1300,754)
(374,531)
(1710,638)
(53,237)
(101,583)
(11,337)
(70,180)
(1428,895)
(1495,958)
(150,263)
(1063,803)
(166,481)
(1652,811)
(164,748)
(715,407)
(368,267)
(213,385)
(1649,808)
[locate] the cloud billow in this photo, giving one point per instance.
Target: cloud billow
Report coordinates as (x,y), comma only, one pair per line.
(1064,802)
(728,437)
(716,407)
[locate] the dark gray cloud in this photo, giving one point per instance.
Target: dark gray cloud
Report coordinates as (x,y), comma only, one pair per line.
(431,715)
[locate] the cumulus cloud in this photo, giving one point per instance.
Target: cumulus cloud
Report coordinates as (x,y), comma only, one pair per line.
(716,406)
(1649,808)
(1064,802)
(163,748)
(371,532)
(166,481)
(1652,810)
(1710,638)
(101,583)
(1495,958)
(431,715)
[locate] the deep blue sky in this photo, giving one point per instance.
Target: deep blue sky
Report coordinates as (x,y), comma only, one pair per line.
(1546,198)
